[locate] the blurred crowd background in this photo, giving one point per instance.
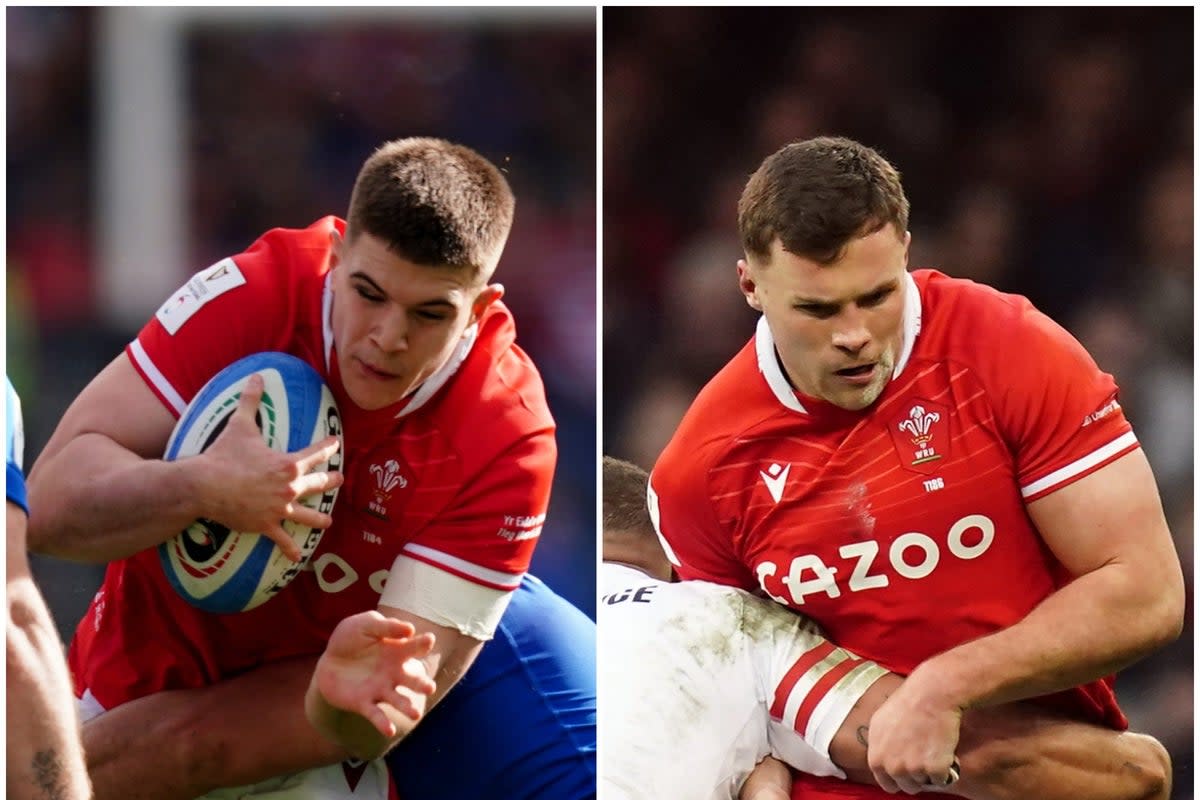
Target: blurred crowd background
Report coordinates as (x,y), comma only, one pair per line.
(273,112)
(1045,151)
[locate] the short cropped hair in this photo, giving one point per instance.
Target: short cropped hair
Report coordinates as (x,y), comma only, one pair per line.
(818,194)
(434,203)
(624,505)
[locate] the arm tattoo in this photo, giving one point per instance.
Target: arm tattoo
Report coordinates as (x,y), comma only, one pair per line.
(47,774)
(861,734)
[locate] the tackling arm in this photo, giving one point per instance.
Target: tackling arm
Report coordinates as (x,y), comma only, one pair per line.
(1018,751)
(1127,599)
(244,730)
(186,743)
(44,755)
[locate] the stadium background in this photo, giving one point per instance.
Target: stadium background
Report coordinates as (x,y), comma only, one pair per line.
(1045,151)
(147,143)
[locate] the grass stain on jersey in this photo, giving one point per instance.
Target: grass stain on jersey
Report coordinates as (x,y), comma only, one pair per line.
(858,510)
(765,620)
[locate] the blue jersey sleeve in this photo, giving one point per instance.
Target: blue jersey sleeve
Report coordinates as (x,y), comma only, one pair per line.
(527,708)
(14,434)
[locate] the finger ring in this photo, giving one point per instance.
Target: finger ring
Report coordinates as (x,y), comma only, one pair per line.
(952,775)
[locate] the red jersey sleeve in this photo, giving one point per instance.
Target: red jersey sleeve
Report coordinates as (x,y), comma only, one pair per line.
(681,507)
(488,533)
(249,303)
(1056,408)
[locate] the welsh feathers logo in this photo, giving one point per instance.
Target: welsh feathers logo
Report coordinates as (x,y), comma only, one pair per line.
(919,423)
(922,435)
(387,480)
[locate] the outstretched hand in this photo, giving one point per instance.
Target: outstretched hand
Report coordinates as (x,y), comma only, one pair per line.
(255,488)
(372,661)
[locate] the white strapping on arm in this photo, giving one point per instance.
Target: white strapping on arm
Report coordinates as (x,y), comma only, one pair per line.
(444,598)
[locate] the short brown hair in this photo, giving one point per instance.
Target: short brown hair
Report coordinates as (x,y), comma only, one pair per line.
(624,489)
(434,203)
(818,194)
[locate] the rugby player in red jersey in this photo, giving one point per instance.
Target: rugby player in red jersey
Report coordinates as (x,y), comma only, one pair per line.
(449,445)
(714,677)
(934,471)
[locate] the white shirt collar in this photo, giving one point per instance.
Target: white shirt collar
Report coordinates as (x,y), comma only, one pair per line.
(912,323)
(438,379)
(327,317)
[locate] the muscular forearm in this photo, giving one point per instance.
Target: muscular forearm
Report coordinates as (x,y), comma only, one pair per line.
(1019,751)
(97,501)
(186,743)
(1092,627)
(45,759)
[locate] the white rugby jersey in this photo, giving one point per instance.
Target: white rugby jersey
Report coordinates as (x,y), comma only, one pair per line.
(699,682)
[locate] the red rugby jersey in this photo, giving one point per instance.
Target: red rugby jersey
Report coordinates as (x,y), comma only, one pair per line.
(456,478)
(900,528)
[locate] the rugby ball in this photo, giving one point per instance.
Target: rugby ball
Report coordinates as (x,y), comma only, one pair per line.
(224,571)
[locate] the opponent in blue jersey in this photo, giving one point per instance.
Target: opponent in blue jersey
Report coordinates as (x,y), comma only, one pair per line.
(520,724)
(44,756)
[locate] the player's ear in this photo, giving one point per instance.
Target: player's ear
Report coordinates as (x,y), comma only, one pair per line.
(748,285)
(907,242)
(336,243)
(487,295)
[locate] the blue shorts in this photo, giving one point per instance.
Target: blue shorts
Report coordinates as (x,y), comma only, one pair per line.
(522,721)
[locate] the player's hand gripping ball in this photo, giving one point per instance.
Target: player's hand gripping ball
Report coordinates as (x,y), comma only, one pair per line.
(224,571)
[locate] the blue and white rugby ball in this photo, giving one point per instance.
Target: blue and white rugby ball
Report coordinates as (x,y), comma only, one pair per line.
(224,571)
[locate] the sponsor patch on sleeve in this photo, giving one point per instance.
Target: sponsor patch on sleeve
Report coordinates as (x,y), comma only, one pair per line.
(202,287)
(518,528)
(1104,411)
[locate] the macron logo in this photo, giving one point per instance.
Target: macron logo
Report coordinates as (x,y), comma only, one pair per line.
(775,480)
